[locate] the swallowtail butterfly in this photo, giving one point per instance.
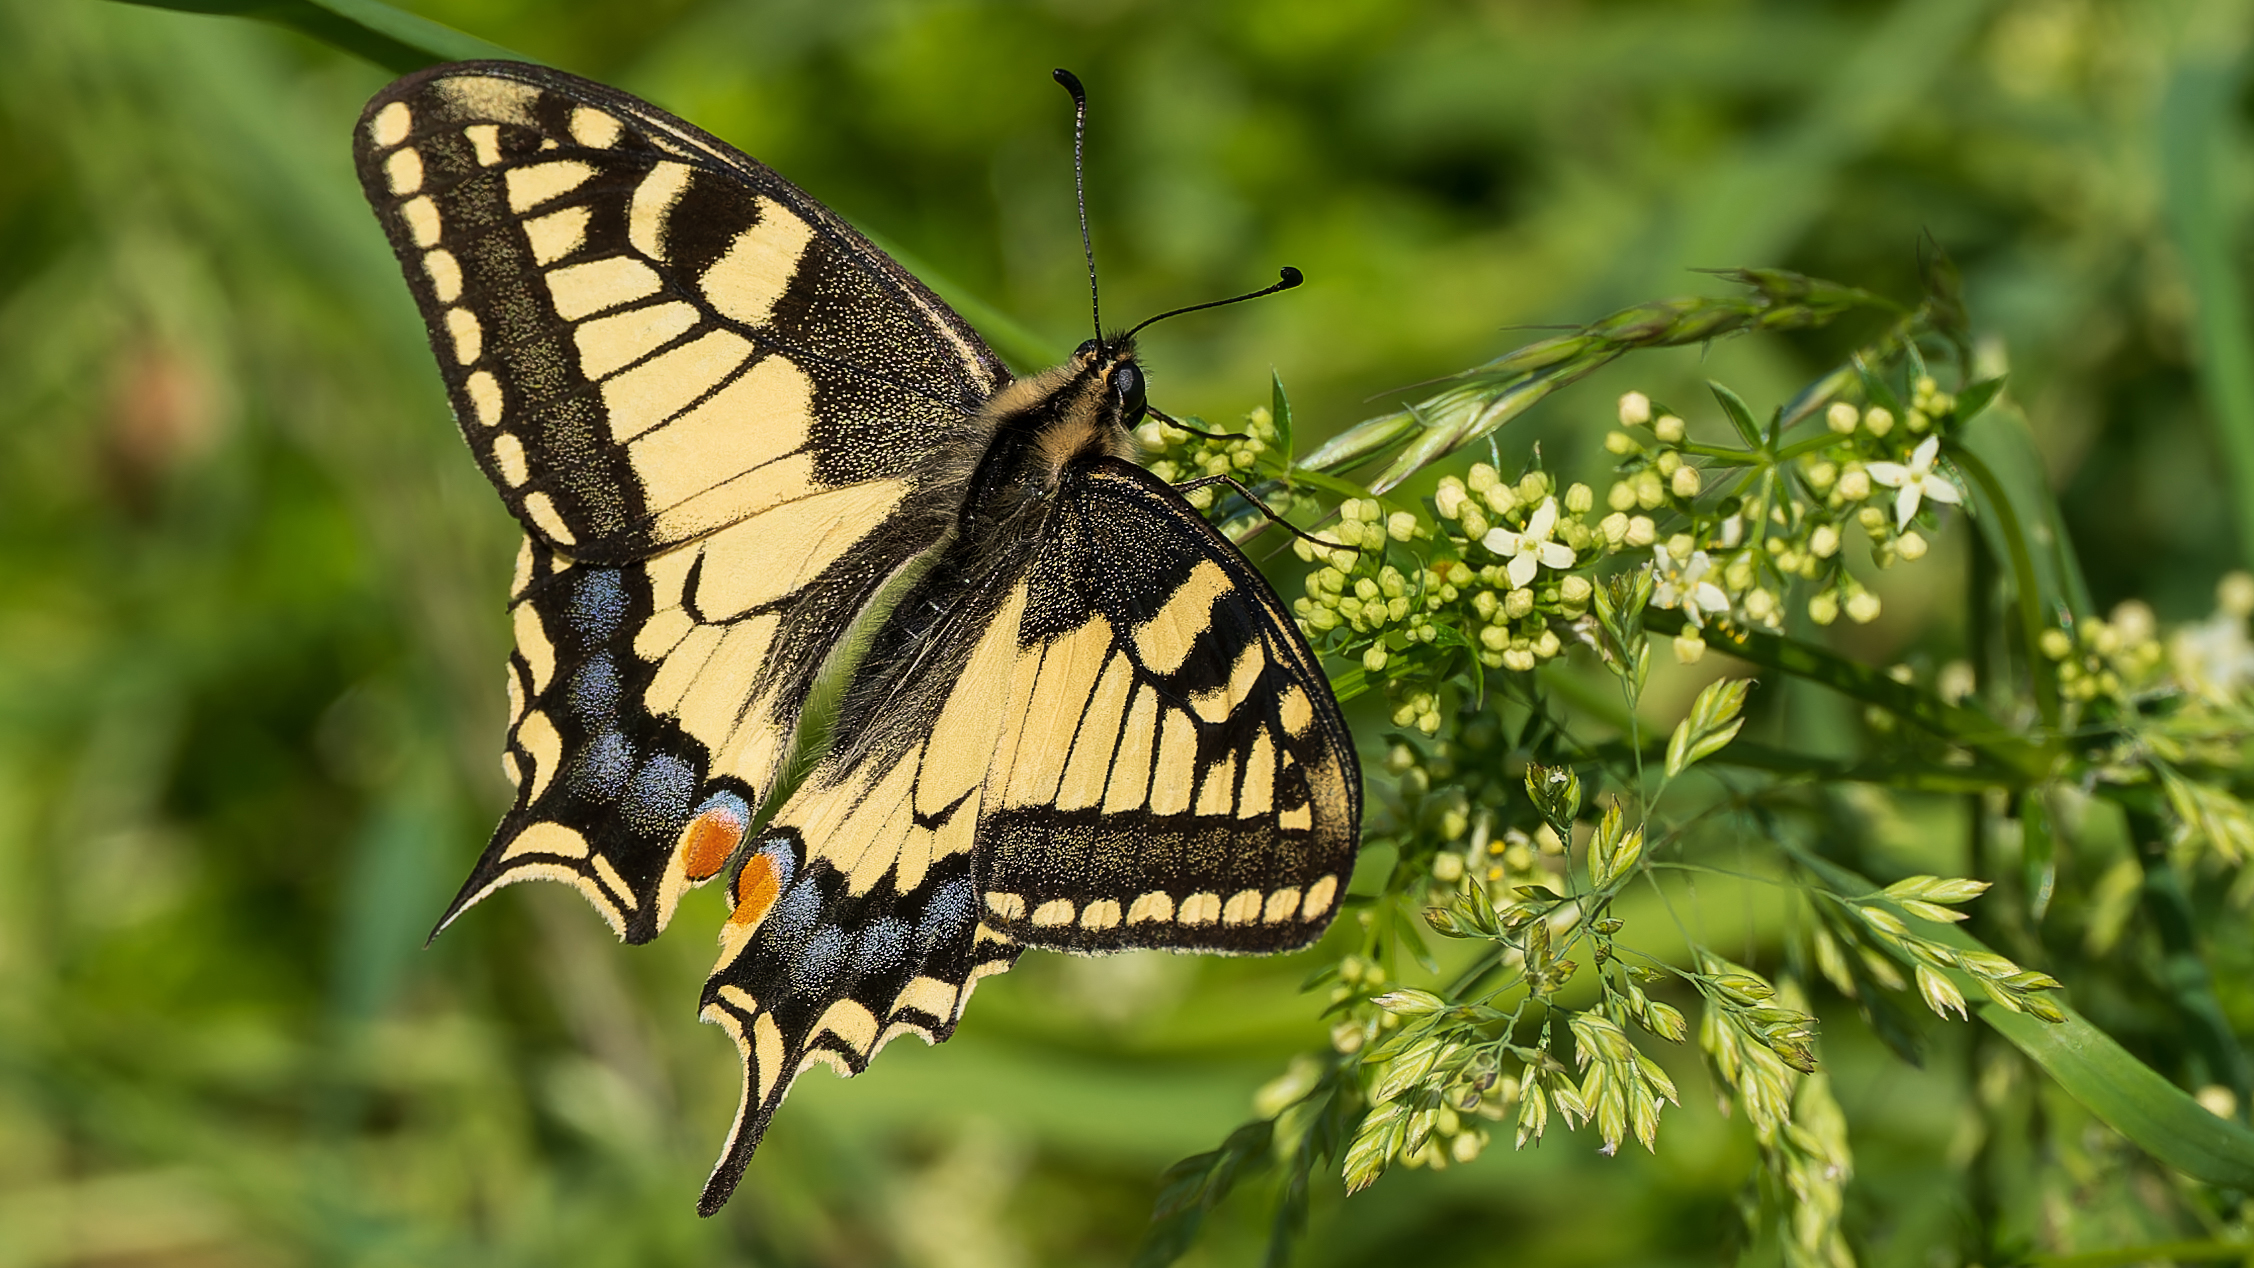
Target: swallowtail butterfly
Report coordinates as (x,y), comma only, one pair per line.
(727,422)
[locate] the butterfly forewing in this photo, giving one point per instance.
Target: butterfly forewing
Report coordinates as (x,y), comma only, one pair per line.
(647,335)
(716,410)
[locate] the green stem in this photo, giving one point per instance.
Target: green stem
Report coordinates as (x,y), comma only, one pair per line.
(2024,582)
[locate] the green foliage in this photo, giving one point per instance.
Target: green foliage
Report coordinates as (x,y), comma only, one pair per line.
(249,644)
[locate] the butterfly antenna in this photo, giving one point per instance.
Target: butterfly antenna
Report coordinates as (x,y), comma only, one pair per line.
(1071,84)
(1291,277)
(1192,486)
(1178,425)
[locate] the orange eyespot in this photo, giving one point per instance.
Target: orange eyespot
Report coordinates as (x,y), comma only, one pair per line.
(756,889)
(713,838)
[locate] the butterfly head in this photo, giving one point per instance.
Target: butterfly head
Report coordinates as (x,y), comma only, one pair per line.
(1121,376)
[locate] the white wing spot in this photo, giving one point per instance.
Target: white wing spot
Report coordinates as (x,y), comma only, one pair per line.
(508,455)
(594,129)
(615,882)
(580,289)
(1056,911)
(542,511)
(557,234)
(1200,909)
(531,186)
(485,140)
(1007,906)
(1243,908)
(485,397)
(1281,905)
(617,341)
(391,124)
(405,171)
(445,275)
(468,336)
(547,838)
(653,198)
(421,215)
(747,282)
(1156,905)
(1318,898)
(1100,914)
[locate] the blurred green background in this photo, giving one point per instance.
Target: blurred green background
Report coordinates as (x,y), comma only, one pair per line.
(251,632)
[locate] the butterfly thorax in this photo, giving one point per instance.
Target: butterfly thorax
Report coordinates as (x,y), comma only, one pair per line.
(1075,413)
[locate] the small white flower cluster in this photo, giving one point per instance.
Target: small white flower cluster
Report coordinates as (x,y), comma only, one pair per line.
(1503,608)
(1735,569)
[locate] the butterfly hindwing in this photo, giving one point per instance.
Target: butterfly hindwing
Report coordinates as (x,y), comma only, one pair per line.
(877,841)
(648,335)
(1109,738)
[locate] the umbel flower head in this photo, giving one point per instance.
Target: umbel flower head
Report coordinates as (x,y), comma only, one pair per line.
(1917,480)
(1532,549)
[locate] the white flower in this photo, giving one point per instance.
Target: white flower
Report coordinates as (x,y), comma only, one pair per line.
(1917,480)
(2213,657)
(1533,548)
(1682,584)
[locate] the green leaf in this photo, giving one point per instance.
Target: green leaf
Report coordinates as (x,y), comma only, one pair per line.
(2131,1097)
(1191,1188)
(2194,139)
(1713,722)
(2038,852)
(1975,400)
(395,40)
(1279,408)
(1740,416)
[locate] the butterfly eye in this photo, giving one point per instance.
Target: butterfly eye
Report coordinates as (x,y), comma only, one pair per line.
(1127,385)
(1087,348)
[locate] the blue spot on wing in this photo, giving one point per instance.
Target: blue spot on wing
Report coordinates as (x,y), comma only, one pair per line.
(600,773)
(818,961)
(881,946)
(658,800)
(598,606)
(595,690)
(946,915)
(788,925)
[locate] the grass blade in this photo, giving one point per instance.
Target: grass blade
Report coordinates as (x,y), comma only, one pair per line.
(391,38)
(2195,113)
